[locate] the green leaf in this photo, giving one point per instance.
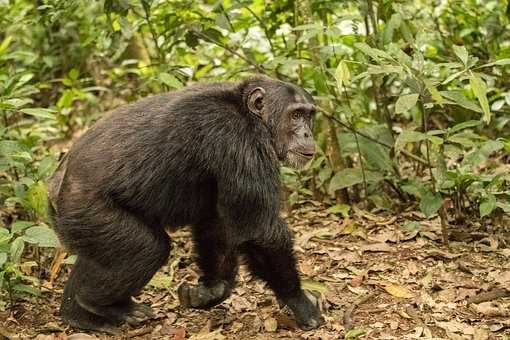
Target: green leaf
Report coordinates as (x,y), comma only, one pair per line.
(349,177)
(500,62)
(406,102)
(342,75)
(434,93)
(37,199)
(461,53)
(320,82)
(487,205)
(8,148)
(73,74)
(453,76)
(383,69)
(461,100)
(20,226)
(17,247)
(22,288)
(430,202)
(5,44)
(170,80)
(375,155)
(213,34)
(3,259)
(71,259)
(46,167)
(66,99)
(42,236)
(411,226)
(480,90)
(408,136)
(374,53)
(314,286)
(16,102)
(40,112)
(463,139)
(390,27)
(161,281)
(5,236)
(354,333)
(342,209)
(464,125)
(413,187)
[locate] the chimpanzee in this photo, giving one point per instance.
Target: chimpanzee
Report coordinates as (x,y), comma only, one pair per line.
(206,156)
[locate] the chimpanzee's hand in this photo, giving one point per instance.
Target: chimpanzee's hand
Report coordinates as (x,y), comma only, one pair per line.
(307,314)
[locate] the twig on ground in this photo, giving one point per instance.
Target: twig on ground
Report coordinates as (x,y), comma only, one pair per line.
(349,312)
(493,294)
(139,332)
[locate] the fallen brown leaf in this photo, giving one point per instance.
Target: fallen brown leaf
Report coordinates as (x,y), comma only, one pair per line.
(397,290)
(377,247)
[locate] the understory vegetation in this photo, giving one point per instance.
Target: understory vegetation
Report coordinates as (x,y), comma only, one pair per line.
(414,101)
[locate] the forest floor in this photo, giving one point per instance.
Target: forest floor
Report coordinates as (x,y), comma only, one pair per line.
(376,277)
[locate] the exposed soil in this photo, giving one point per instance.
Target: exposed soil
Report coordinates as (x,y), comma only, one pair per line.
(374,275)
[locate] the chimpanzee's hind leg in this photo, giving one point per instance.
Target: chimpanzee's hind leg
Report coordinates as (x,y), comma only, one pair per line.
(118,263)
(218,260)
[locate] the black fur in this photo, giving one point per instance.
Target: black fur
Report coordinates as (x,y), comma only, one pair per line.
(194,157)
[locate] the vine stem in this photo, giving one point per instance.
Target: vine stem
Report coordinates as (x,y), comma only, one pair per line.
(443,216)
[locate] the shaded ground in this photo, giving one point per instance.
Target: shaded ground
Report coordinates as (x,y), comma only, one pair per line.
(380,276)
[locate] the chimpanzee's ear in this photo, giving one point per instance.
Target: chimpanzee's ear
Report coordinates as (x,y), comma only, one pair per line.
(256,103)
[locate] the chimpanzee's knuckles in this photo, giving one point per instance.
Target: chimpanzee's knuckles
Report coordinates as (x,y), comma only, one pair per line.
(201,296)
(183,294)
(191,296)
(307,313)
(142,311)
(311,321)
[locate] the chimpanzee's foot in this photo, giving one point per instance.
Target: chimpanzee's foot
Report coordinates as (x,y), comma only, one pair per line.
(138,313)
(308,315)
(103,326)
(127,311)
(202,295)
(78,317)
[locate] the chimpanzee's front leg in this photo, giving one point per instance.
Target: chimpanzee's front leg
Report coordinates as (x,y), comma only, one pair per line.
(217,258)
(271,258)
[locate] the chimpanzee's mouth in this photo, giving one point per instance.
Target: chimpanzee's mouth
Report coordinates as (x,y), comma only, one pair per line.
(304,154)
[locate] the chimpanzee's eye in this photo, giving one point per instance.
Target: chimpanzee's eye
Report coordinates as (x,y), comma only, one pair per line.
(296,115)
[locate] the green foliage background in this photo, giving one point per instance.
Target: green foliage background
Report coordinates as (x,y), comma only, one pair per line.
(415,98)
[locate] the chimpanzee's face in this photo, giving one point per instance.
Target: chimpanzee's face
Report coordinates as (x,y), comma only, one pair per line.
(297,127)
(288,110)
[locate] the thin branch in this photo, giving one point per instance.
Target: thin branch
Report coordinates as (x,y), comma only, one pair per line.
(443,216)
(154,35)
(361,162)
(425,128)
(353,130)
(232,51)
(263,25)
(348,320)
(493,294)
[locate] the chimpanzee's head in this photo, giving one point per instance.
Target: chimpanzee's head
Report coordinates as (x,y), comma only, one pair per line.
(288,111)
